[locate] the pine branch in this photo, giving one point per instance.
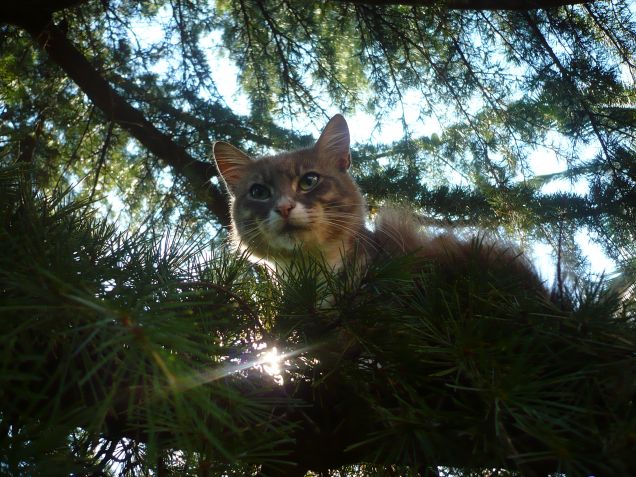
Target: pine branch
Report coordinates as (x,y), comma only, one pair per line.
(198,173)
(135,340)
(519,5)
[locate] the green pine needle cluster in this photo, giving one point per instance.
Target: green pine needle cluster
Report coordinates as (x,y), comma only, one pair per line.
(137,354)
(114,337)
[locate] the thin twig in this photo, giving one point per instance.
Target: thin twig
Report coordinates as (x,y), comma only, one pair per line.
(102,156)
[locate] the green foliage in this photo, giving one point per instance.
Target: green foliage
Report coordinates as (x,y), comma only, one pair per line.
(138,352)
(130,353)
(109,337)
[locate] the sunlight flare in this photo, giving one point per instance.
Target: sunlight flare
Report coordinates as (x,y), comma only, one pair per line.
(271,361)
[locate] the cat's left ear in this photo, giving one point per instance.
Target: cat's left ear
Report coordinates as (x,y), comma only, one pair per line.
(333,143)
(231,162)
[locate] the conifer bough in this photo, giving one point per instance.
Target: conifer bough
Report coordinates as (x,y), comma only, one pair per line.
(127,352)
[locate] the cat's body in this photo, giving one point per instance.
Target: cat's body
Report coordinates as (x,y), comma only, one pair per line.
(307,199)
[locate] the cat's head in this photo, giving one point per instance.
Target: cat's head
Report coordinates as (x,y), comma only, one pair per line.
(304,198)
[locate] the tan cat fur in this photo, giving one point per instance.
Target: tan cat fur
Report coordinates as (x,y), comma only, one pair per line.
(272,214)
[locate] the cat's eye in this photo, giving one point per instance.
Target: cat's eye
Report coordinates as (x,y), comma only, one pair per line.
(308,181)
(259,192)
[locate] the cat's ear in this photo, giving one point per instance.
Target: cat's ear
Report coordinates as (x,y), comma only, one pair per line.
(230,161)
(333,143)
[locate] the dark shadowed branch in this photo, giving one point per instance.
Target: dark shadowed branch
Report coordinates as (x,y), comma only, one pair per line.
(476,4)
(198,173)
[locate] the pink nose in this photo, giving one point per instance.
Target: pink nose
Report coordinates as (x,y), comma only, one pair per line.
(285,208)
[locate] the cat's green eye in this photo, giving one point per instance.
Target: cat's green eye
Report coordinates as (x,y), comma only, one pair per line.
(308,181)
(259,192)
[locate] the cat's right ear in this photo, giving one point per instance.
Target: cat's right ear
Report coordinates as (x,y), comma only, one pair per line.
(231,163)
(333,143)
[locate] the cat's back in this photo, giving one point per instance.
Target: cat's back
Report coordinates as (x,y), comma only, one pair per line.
(455,258)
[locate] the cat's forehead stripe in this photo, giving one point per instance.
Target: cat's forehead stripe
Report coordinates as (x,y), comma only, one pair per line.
(288,165)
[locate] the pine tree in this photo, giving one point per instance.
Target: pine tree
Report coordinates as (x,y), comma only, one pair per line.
(137,345)
(129,354)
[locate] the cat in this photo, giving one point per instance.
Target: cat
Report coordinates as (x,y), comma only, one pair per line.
(307,199)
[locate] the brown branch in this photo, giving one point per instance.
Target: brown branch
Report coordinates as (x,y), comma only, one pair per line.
(17,11)
(102,157)
(198,173)
(28,143)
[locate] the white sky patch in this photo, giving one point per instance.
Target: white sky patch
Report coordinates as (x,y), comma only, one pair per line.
(600,263)
(363,125)
(165,178)
(544,161)
(132,147)
(225,74)
(145,32)
(112,205)
(579,186)
(161,66)
(543,260)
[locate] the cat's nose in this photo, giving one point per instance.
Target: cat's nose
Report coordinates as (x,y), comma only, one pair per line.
(285,208)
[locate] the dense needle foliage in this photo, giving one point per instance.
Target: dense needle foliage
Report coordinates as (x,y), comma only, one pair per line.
(133,343)
(110,336)
(128,353)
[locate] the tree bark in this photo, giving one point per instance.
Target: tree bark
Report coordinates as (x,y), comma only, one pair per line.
(19,11)
(16,11)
